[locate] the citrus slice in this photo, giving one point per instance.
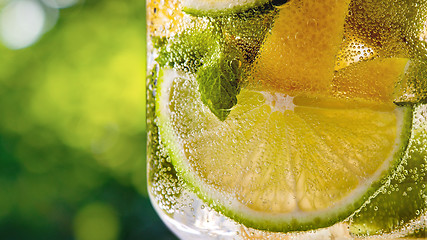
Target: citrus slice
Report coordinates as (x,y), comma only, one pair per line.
(300,52)
(277,162)
(400,207)
(220,7)
(373,79)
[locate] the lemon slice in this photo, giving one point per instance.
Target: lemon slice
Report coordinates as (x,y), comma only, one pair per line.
(280,163)
(220,7)
(300,52)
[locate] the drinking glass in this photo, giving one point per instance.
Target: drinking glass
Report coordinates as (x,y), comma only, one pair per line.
(288,119)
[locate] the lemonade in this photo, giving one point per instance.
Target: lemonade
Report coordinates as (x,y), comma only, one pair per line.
(299,119)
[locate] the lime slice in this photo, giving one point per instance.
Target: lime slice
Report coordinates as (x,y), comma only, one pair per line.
(220,7)
(400,206)
(280,163)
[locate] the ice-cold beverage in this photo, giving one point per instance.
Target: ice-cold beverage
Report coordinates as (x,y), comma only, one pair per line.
(275,119)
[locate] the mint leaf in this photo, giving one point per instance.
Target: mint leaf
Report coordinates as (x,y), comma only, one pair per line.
(239,39)
(218,81)
(218,51)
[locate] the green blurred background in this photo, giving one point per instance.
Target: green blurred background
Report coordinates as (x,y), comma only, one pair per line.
(72,121)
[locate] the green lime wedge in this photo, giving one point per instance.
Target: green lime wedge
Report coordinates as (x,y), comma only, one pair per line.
(280,163)
(400,206)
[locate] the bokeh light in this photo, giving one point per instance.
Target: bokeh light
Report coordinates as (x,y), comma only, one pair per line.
(97,221)
(21,23)
(59,3)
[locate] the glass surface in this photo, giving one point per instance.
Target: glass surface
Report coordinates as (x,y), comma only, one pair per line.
(298,119)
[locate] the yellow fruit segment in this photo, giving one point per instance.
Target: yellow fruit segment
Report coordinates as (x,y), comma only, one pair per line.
(299,54)
(373,80)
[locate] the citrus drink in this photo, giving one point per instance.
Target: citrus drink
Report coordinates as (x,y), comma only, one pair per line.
(287,119)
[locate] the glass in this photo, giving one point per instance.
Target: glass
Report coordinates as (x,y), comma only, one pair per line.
(277,119)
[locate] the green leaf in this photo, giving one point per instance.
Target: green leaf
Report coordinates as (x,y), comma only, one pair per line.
(218,51)
(218,81)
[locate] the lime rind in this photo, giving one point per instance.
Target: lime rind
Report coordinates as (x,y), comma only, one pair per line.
(217,8)
(397,204)
(283,222)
